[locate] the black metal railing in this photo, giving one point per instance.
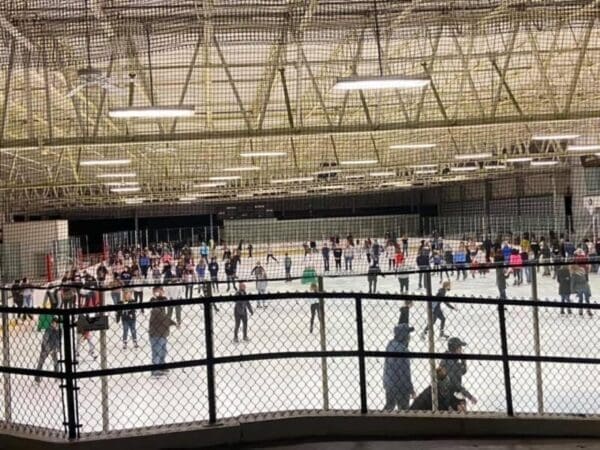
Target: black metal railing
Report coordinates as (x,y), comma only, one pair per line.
(212,378)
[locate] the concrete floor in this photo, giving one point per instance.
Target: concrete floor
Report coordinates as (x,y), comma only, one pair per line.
(495,444)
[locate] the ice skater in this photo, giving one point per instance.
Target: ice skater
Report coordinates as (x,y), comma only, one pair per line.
(261,282)
(438,313)
(240,314)
(128,320)
(372,274)
(315,309)
(287,263)
(270,255)
(50,346)
(158,332)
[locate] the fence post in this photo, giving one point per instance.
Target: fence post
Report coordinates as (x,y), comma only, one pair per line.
(431,339)
(6,359)
(104,366)
(505,361)
(68,376)
(361,356)
(536,343)
(210,361)
(323,336)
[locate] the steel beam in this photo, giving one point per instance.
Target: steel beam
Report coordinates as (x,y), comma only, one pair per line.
(7,84)
(578,66)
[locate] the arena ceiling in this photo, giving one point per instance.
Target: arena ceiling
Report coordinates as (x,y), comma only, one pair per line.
(260,75)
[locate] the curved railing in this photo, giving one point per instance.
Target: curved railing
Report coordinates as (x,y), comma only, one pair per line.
(522,357)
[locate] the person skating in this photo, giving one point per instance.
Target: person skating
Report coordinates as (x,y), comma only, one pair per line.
(348,256)
(456,368)
(230,275)
(325,253)
(270,255)
(315,309)
(158,332)
(422,264)
(580,286)
(337,257)
(397,380)
(438,313)
(500,274)
(405,312)
(50,346)
(213,270)
(240,314)
(403,279)
(372,274)
(287,263)
(128,320)
(563,276)
(261,282)
(250,248)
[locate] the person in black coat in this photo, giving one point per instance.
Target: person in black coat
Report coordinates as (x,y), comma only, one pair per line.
(325,253)
(240,314)
(423,264)
(337,257)
(563,276)
(372,274)
(213,270)
(405,312)
(446,399)
(438,313)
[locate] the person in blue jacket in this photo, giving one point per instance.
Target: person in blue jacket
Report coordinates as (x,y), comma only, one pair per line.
(397,380)
(204,252)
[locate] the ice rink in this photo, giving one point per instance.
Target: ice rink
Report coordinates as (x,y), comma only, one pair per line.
(137,400)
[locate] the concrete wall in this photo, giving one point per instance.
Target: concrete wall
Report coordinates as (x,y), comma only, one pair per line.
(25,245)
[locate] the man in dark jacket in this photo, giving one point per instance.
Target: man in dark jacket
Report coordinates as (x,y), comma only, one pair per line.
(240,314)
(397,380)
(213,270)
(438,313)
(563,276)
(325,253)
(456,368)
(158,331)
(372,274)
(50,346)
(423,264)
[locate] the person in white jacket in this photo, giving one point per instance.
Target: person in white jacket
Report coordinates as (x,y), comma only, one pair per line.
(390,254)
(348,256)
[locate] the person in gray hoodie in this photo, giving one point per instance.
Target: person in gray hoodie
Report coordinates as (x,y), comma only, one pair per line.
(397,380)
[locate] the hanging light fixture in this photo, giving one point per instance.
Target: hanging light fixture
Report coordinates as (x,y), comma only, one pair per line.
(382,81)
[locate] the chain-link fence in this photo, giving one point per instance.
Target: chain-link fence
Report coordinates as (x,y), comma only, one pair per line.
(103,359)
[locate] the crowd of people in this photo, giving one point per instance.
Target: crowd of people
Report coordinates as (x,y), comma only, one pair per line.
(179,271)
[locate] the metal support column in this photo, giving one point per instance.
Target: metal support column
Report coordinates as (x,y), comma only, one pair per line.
(323,338)
(69,384)
(104,378)
(6,360)
(536,344)
(361,356)
(431,340)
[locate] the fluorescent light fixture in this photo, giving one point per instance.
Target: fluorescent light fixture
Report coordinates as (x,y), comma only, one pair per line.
(358,162)
(519,159)
(262,154)
(133,201)
(105,162)
(396,184)
(299,192)
(210,185)
(122,183)
(126,189)
(494,166)
(583,148)
(382,174)
(117,175)
(380,82)
(245,195)
(189,198)
(241,169)
(354,177)
(597,154)
(473,156)
(425,172)
(544,163)
(333,187)
(151,112)
(413,146)
(226,178)
(291,180)
(207,195)
(327,172)
(423,166)
(554,137)
(464,169)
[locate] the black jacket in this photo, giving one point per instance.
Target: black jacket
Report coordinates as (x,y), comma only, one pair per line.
(242,307)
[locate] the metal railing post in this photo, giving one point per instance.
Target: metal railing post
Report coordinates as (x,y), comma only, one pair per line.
(361,356)
(69,383)
(431,340)
(6,359)
(505,360)
(104,366)
(536,343)
(323,338)
(210,361)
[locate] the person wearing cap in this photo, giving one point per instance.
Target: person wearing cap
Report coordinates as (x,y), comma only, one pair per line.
(158,331)
(437,310)
(240,314)
(397,380)
(456,368)
(50,346)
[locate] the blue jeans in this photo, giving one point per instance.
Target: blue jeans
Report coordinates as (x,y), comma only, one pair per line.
(129,326)
(158,346)
(28,301)
(348,262)
(116,297)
